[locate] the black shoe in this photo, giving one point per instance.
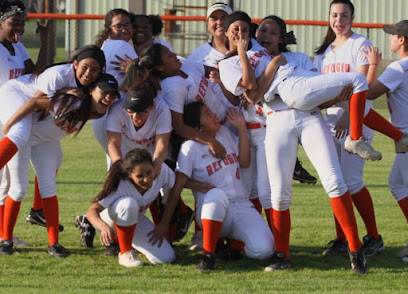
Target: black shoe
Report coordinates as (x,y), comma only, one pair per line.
(207,262)
(335,246)
(225,252)
(6,247)
(302,175)
(372,246)
(278,262)
(36,217)
(86,230)
(183,223)
(112,250)
(58,250)
(358,262)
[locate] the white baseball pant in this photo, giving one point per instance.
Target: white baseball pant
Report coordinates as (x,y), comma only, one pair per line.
(241,222)
(125,211)
(285,130)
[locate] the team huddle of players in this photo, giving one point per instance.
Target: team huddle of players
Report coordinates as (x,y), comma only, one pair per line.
(225,122)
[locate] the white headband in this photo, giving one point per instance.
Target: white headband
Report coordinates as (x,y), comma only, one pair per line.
(10,11)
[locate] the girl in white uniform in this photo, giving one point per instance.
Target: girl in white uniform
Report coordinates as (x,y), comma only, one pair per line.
(114,42)
(15,62)
(129,189)
(394,83)
(344,51)
(223,208)
(67,114)
(286,128)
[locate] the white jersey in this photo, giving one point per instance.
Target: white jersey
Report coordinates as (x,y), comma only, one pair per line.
(207,55)
(12,66)
(56,78)
(197,162)
(178,92)
(165,180)
(158,122)
(120,48)
(395,78)
(348,58)
(164,43)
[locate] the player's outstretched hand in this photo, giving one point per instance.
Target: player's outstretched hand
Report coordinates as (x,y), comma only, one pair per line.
(236,119)
(373,55)
(157,235)
(122,64)
(106,235)
(342,125)
(242,43)
(214,76)
(217,149)
(43,31)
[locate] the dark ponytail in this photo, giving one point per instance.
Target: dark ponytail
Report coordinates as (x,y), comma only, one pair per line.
(121,170)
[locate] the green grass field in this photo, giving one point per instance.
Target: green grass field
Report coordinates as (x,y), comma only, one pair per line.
(32,270)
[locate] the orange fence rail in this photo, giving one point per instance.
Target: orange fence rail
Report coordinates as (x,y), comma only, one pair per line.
(190,18)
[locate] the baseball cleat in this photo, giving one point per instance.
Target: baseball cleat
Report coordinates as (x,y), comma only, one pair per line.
(20,243)
(130,259)
(335,246)
(372,246)
(404,254)
(302,175)
(207,262)
(57,250)
(86,230)
(196,241)
(36,217)
(6,247)
(401,146)
(278,262)
(362,148)
(183,223)
(112,250)
(358,262)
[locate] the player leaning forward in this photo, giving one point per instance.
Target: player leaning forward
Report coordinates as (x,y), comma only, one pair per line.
(394,82)
(223,208)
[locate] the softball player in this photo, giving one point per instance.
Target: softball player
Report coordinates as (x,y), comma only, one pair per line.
(67,114)
(345,53)
(15,62)
(394,83)
(223,208)
(129,190)
(292,126)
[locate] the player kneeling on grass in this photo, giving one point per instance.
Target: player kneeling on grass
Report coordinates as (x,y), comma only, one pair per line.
(223,207)
(129,189)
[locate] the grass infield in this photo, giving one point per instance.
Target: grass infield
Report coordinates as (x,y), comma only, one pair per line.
(32,270)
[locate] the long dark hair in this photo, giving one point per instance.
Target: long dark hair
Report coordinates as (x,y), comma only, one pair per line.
(6,4)
(192,114)
(330,35)
(139,78)
(121,170)
(233,17)
(288,38)
(104,34)
(151,58)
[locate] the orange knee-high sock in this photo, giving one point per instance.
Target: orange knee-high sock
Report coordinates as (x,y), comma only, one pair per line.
(356,108)
(364,203)
(268,212)
(37,203)
(281,230)
(211,230)
(339,231)
(51,213)
(154,211)
(376,122)
(403,203)
(1,220)
(343,210)
(257,204)
(125,237)
(11,210)
(237,245)
(7,151)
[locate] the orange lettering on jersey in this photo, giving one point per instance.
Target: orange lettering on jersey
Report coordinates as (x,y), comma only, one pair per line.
(202,89)
(218,165)
(336,67)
